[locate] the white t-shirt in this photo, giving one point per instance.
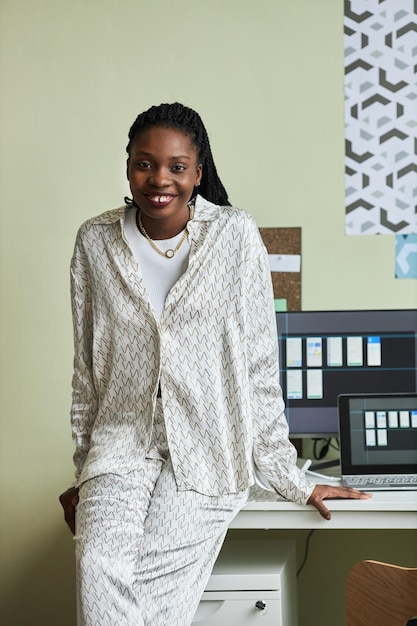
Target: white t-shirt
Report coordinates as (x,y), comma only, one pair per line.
(159,273)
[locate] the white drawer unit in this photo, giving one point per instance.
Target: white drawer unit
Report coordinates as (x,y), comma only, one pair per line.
(253,583)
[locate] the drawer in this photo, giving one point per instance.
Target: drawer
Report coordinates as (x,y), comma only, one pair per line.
(232,608)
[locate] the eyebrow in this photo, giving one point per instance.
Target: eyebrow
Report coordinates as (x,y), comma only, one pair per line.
(149,154)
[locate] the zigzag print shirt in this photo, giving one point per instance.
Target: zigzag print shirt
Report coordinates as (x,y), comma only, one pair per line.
(213,352)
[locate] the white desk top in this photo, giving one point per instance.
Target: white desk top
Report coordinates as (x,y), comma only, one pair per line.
(386,509)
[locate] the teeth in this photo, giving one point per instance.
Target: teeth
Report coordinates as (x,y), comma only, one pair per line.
(160,198)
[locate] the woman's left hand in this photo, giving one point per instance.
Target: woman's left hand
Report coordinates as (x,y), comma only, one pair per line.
(321,492)
(69,501)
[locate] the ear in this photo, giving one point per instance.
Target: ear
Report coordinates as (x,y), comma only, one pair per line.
(199,175)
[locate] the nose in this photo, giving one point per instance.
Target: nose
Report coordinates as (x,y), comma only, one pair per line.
(160,177)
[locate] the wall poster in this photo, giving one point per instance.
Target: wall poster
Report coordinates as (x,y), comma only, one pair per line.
(380,116)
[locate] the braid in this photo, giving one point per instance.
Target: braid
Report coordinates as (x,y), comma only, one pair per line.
(182,118)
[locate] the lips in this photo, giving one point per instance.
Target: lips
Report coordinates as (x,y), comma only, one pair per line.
(159,200)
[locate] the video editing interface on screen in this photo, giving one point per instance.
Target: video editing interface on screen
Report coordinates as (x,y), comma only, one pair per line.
(382,424)
(326,353)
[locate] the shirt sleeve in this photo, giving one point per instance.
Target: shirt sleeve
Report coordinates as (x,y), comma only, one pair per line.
(273,453)
(84,397)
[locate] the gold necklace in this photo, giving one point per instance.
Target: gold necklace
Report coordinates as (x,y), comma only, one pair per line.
(171,251)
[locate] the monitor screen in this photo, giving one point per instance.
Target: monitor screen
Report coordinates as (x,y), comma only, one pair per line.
(326,353)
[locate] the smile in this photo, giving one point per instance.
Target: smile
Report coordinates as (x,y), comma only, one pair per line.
(159,200)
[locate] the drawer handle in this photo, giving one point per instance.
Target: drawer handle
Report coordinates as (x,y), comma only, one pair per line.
(261,606)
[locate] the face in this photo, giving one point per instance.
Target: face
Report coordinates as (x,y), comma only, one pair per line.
(163,170)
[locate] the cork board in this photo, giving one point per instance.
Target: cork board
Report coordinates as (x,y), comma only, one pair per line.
(286,284)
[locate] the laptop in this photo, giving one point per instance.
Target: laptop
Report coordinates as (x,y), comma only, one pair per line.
(378,441)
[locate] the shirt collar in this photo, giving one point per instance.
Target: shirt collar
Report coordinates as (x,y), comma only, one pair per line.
(204,211)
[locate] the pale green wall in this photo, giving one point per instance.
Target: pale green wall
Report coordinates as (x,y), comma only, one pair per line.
(267,78)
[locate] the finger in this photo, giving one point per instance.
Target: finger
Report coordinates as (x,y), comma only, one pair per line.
(360,495)
(70,519)
(316,500)
(348,492)
(323,510)
(329,491)
(71,526)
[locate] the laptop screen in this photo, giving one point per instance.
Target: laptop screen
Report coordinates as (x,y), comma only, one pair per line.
(378,433)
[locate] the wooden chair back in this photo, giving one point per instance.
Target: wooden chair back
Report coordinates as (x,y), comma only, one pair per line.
(380,594)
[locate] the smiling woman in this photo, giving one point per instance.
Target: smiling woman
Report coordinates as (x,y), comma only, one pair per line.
(176,392)
(163,169)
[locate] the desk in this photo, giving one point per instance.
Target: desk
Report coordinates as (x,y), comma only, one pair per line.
(385,510)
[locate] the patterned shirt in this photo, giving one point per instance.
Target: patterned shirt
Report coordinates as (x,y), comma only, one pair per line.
(213,352)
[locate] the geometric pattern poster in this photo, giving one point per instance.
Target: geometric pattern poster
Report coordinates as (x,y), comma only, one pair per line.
(380,85)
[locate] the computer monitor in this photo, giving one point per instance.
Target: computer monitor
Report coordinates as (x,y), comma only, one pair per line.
(326,353)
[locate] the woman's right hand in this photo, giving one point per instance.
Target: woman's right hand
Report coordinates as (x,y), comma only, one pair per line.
(69,501)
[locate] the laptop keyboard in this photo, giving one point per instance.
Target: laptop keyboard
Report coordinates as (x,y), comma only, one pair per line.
(384,481)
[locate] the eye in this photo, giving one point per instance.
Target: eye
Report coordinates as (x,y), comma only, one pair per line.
(179,168)
(143,165)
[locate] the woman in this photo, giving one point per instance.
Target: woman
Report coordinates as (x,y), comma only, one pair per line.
(176,395)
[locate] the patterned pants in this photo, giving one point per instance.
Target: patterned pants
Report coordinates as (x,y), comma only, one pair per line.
(144,550)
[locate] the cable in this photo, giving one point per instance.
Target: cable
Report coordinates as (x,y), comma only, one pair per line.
(319,455)
(335,445)
(328,443)
(325,477)
(310,534)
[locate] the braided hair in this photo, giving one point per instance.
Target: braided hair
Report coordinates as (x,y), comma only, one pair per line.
(180,117)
